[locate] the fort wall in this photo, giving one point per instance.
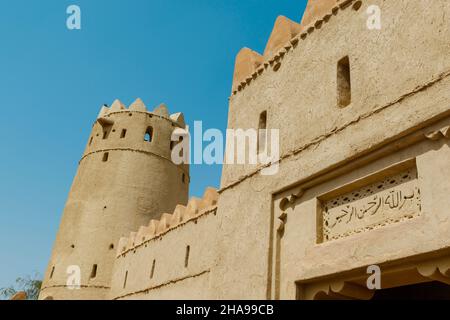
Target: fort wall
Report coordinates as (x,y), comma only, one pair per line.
(399,84)
(170,258)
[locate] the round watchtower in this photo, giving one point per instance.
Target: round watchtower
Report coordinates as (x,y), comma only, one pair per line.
(125,178)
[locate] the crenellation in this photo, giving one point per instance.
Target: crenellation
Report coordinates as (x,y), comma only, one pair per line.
(138,105)
(182,214)
(318,9)
(142,235)
(179,215)
(131,241)
(285,36)
(117,106)
(122,245)
(283,31)
(247,61)
(162,111)
(164,223)
(103,111)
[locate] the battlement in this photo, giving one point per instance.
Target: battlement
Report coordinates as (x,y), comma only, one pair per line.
(285,37)
(135,129)
(160,111)
(182,214)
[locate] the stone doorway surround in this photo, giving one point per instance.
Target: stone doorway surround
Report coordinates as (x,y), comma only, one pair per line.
(353,285)
(398,220)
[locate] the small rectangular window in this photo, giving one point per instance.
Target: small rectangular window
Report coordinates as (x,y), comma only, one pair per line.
(52,272)
(344,87)
(148,134)
(262,131)
(123,133)
(105,157)
(94,271)
(186,258)
(152,273)
(125,280)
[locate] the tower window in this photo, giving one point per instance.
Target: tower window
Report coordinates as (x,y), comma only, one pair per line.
(94,271)
(183,178)
(125,279)
(123,133)
(186,258)
(152,273)
(262,131)
(106,132)
(105,157)
(90,141)
(173,144)
(148,134)
(344,88)
(52,272)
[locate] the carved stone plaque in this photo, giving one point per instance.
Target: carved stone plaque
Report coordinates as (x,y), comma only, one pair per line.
(391,200)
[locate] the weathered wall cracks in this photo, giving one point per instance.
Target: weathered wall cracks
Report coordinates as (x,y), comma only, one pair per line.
(145,291)
(321,138)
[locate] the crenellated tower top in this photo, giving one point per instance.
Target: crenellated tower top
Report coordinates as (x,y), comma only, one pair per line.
(160,111)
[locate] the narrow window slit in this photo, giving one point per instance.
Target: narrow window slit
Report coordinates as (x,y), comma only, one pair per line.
(125,280)
(262,131)
(94,271)
(152,273)
(186,258)
(344,88)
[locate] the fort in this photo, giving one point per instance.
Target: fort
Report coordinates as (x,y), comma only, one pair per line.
(363,176)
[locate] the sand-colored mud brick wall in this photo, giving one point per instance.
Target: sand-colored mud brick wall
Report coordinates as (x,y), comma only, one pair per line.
(345,99)
(170,258)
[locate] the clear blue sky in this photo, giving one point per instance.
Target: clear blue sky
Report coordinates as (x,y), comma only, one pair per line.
(53,82)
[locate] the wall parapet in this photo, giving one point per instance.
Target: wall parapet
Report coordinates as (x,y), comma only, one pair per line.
(138,106)
(195,209)
(285,37)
